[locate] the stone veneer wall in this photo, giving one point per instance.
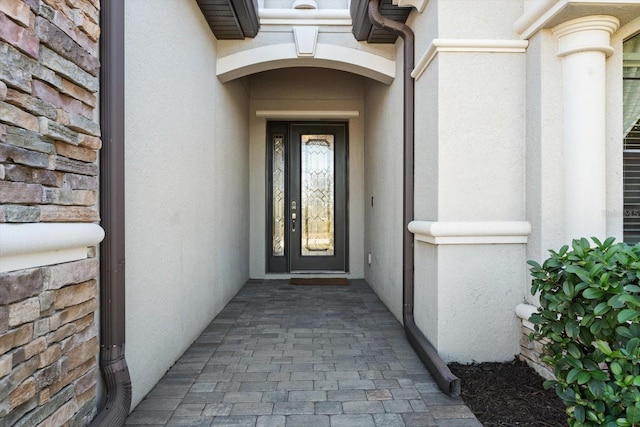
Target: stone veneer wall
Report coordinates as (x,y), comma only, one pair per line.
(531,352)
(49,137)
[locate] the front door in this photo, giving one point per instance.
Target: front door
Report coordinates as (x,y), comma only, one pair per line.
(307,197)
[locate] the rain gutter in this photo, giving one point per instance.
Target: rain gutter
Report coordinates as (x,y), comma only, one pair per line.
(113,365)
(447,382)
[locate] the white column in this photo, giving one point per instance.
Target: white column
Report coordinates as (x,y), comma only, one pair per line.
(584,45)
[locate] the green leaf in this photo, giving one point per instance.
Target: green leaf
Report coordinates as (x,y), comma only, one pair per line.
(615,302)
(536,318)
(624,332)
(632,346)
(633,413)
(615,368)
(599,375)
(598,326)
(592,293)
(601,308)
(592,416)
(573,375)
(578,413)
(573,350)
(632,288)
(584,377)
(627,314)
(534,264)
(572,329)
(604,347)
(595,270)
(572,361)
(568,289)
(597,388)
(630,300)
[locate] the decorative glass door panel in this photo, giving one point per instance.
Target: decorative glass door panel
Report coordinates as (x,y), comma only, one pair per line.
(307,197)
(317,195)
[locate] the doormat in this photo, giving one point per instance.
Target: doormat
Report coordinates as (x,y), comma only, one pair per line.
(338,281)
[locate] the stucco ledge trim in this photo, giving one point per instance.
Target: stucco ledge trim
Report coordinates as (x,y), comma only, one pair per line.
(33,245)
(470,232)
(467,45)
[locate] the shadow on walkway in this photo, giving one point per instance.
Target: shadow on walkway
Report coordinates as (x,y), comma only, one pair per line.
(283,355)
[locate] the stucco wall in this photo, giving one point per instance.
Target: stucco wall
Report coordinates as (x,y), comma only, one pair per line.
(187,181)
(469,166)
(383,184)
(298,90)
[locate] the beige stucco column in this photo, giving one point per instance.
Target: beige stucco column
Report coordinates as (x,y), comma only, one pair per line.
(584,44)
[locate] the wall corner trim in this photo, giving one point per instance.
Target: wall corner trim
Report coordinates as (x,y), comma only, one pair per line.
(38,244)
(466,45)
(470,232)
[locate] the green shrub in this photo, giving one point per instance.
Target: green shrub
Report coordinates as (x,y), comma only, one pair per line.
(589,325)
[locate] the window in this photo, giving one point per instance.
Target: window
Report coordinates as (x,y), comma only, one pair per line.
(631,153)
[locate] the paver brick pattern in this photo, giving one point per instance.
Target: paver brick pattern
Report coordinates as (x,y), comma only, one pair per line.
(283,355)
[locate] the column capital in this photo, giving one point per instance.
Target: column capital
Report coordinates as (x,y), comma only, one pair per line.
(587,34)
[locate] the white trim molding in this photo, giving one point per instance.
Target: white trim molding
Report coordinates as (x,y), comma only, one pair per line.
(38,244)
(467,45)
(541,14)
(285,55)
(307,114)
(420,5)
(470,232)
(323,17)
(588,34)
(306,39)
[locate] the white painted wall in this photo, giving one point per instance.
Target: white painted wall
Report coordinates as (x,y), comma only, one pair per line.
(297,90)
(383,183)
(186,185)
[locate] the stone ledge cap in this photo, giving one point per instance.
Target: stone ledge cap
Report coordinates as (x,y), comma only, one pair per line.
(38,244)
(470,232)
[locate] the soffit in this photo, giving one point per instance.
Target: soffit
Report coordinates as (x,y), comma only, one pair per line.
(364,30)
(231,19)
(237,19)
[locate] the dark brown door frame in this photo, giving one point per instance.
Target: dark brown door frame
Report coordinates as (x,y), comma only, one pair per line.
(292,131)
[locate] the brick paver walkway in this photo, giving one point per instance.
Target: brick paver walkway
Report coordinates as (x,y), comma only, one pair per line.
(282,355)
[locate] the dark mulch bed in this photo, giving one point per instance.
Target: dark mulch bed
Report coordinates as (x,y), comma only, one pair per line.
(509,394)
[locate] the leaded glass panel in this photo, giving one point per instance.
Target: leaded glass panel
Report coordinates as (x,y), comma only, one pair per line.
(317,195)
(278,155)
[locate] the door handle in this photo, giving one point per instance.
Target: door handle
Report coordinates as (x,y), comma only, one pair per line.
(293,222)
